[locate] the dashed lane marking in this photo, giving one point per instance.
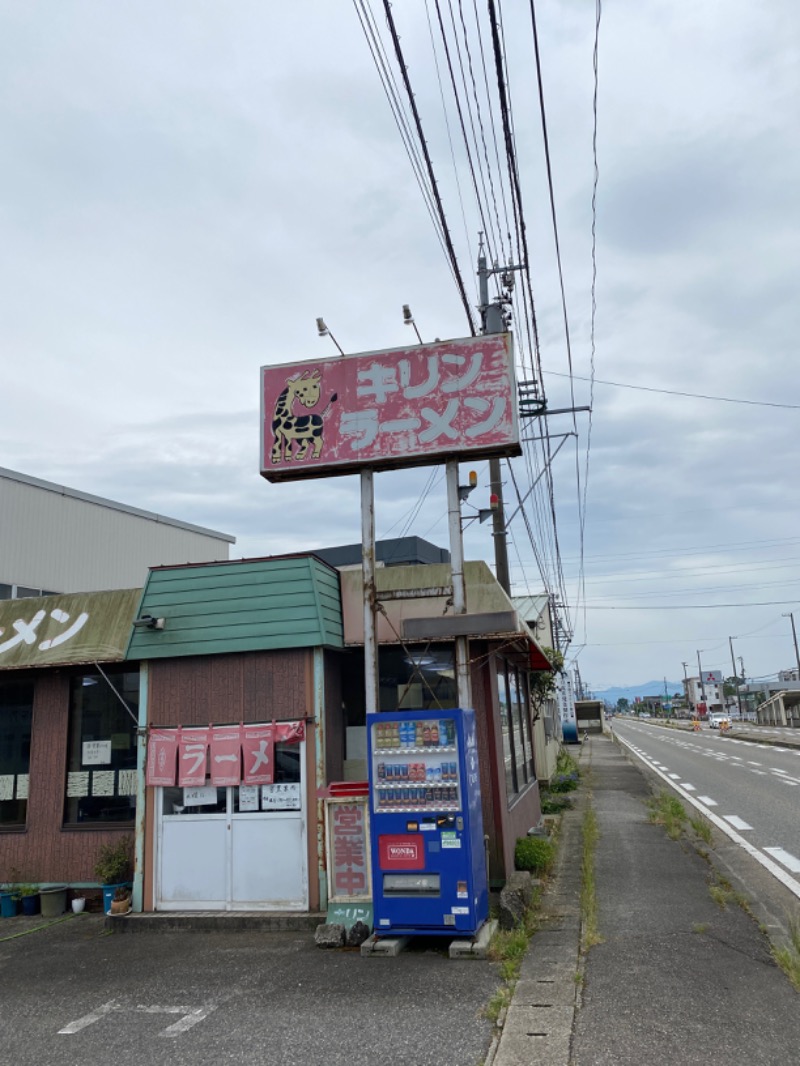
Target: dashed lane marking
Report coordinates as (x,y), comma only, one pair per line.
(737,822)
(708,801)
(688,787)
(786,858)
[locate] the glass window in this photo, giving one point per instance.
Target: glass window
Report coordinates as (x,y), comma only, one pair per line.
(16,712)
(509,759)
(514,697)
(518,713)
(101,759)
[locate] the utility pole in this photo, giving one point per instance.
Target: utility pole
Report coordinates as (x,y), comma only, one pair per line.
(493,320)
(702,685)
(686,687)
(738,691)
(790,616)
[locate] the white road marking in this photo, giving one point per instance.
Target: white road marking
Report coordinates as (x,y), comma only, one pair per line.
(89,1019)
(688,787)
(191,1016)
(777,770)
(708,801)
(752,762)
(788,860)
(675,777)
(737,822)
(778,872)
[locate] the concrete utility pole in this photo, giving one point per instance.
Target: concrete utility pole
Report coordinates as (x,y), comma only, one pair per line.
(738,692)
(493,320)
(790,616)
(702,685)
(686,687)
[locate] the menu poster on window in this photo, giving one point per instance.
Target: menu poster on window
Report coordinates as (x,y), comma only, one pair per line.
(22,786)
(285,797)
(126,783)
(96,753)
(78,785)
(199,797)
(248,797)
(103,783)
(6,786)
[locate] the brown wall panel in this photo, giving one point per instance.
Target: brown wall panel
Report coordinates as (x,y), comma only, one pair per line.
(252,687)
(45,852)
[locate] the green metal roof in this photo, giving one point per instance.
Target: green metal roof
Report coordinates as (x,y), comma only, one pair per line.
(247,605)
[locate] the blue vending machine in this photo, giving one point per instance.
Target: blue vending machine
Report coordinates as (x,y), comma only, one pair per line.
(426,822)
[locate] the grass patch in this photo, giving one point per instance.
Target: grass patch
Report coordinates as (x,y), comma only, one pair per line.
(508,947)
(703,830)
(589,931)
(566,764)
(554,804)
(667,810)
(700,927)
(788,956)
(536,854)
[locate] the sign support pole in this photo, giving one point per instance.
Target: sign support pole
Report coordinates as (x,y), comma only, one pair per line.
(368,583)
(463,689)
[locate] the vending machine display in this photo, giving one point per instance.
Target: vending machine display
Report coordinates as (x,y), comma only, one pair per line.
(426,821)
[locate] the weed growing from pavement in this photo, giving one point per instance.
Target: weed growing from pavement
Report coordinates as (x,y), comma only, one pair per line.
(508,948)
(703,830)
(591,833)
(700,927)
(788,955)
(667,810)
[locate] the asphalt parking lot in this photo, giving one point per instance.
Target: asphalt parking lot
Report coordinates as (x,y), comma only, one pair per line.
(73,994)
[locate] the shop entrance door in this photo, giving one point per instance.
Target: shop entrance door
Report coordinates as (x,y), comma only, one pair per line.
(240,848)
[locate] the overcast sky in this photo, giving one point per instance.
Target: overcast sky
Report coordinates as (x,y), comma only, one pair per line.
(186,186)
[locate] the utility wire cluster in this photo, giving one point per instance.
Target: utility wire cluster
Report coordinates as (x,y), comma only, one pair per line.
(470,57)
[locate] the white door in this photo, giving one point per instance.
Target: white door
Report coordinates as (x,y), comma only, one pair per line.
(238,848)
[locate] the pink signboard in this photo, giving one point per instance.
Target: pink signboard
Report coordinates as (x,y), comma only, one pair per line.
(349,847)
(401,407)
(226,756)
(162,750)
(258,750)
(192,752)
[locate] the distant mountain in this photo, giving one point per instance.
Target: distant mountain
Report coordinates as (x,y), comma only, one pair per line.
(648,688)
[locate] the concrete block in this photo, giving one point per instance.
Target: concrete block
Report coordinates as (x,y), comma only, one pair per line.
(385,946)
(329,935)
(477,947)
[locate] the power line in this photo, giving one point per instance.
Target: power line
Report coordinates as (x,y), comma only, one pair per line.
(676,392)
(689,606)
(429,165)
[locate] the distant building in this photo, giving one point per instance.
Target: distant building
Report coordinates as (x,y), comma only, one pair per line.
(705,696)
(55,539)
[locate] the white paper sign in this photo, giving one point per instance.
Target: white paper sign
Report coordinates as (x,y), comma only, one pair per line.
(96,752)
(248,797)
(78,784)
(284,797)
(6,786)
(205,796)
(22,786)
(103,783)
(126,785)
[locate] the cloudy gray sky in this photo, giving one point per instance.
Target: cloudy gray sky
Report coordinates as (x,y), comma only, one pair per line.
(185,186)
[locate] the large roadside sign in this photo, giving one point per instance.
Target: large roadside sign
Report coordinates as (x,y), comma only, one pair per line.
(382,410)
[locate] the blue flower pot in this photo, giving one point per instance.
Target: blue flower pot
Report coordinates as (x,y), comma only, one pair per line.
(8,905)
(108,894)
(30,905)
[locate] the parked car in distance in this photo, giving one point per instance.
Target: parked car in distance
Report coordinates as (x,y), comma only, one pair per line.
(714,720)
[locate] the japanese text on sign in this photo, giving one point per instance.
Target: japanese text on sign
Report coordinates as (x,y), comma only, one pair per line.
(349,849)
(393,408)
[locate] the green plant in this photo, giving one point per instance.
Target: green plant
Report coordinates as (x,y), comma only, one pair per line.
(667,810)
(26,890)
(563,783)
(536,854)
(703,830)
(788,956)
(566,764)
(589,916)
(555,804)
(114,862)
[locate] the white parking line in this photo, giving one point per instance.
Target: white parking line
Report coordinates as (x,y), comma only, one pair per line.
(785,857)
(737,822)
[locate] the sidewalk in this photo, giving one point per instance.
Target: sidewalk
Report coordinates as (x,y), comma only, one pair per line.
(676,978)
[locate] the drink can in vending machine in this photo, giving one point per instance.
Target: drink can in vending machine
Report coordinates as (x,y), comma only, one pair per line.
(381,771)
(435,735)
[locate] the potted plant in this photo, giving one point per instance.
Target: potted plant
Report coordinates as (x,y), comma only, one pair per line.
(121,903)
(29,898)
(113,869)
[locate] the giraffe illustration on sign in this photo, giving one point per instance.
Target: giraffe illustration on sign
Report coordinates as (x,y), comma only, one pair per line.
(302,431)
